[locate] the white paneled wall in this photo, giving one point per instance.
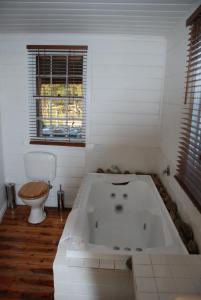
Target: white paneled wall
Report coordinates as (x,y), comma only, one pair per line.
(125,83)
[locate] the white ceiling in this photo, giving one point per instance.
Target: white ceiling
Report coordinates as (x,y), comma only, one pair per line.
(92,16)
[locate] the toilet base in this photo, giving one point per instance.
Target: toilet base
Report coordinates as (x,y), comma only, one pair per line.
(37,215)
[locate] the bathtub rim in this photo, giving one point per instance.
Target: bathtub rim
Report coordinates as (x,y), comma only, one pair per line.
(94,252)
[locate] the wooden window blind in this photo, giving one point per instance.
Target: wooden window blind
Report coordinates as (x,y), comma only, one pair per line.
(189,158)
(57,94)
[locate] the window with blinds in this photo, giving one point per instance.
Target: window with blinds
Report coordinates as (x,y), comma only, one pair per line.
(189,160)
(57,89)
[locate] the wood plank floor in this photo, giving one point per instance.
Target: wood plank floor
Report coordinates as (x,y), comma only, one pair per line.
(26,254)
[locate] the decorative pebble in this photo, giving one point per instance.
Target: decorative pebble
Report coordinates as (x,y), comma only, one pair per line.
(184,230)
(171,206)
(140,173)
(173,215)
(99,170)
(192,247)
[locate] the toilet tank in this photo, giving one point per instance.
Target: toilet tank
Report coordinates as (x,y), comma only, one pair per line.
(40,165)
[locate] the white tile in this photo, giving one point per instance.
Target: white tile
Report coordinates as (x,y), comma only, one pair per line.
(75,262)
(106,264)
(161,271)
(180,271)
(147,296)
(193,260)
(165,285)
(120,265)
(185,285)
(177,259)
(141,259)
(91,263)
(167,296)
(194,271)
(143,270)
(197,284)
(145,285)
(159,259)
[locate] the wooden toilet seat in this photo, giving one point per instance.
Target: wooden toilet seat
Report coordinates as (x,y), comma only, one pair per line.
(33,190)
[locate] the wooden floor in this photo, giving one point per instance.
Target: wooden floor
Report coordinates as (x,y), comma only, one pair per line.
(27,253)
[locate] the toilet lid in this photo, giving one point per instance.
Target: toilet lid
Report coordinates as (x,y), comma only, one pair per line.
(33,190)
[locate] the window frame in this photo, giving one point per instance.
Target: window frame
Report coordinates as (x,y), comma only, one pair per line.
(189,155)
(53,140)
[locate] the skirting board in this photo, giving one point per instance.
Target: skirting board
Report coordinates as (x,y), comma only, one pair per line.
(3,210)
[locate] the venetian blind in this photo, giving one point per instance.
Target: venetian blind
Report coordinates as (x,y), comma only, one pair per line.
(57,93)
(189,160)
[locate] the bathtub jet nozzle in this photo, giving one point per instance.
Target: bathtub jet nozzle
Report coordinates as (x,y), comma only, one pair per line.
(119,208)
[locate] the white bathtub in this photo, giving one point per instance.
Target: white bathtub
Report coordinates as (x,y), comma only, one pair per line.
(118,215)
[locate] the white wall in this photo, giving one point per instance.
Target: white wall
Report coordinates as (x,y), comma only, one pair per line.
(171,122)
(125,83)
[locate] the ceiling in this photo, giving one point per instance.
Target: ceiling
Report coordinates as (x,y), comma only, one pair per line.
(92,16)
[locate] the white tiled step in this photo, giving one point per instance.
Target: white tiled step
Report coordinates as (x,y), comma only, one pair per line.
(167,277)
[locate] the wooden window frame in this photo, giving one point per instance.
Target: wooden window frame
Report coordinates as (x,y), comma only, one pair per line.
(53,141)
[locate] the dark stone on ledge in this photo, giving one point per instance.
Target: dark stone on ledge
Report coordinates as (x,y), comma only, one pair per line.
(173,215)
(166,199)
(159,185)
(100,170)
(185,230)
(129,263)
(192,247)
(140,173)
(127,172)
(171,206)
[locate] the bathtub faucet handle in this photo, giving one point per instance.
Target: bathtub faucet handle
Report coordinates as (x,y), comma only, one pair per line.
(167,171)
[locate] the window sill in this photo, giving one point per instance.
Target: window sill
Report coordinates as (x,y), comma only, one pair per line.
(56,143)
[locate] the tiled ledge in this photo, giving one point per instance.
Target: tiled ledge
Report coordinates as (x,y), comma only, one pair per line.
(94,263)
(155,277)
(167,277)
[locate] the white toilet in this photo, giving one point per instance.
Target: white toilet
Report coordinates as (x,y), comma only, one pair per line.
(40,168)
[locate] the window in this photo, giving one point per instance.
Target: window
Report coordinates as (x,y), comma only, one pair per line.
(189,161)
(57,77)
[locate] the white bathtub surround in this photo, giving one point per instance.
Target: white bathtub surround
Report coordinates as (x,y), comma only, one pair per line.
(91,279)
(154,277)
(167,277)
(98,239)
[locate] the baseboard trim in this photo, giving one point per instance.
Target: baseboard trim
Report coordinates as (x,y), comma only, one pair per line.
(3,210)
